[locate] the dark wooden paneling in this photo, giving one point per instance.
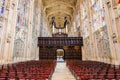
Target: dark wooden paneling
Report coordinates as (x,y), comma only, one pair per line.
(60,41)
(49,45)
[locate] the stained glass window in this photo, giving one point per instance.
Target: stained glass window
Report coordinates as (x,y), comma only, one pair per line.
(2,2)
(99,15)
(23,12)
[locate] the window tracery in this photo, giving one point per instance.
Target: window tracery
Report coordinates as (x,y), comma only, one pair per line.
(23,13)
(18,48)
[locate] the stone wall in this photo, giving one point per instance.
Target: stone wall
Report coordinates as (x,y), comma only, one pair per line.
(99,25)
(20,24)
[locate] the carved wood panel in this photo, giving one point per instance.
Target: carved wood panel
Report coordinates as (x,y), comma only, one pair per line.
(60,41)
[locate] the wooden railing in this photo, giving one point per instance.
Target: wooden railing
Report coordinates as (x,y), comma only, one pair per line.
(60,41)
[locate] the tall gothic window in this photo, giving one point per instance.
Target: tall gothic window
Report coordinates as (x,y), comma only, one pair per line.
(23,13)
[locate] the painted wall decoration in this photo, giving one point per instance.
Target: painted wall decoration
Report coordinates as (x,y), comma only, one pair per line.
(2,3)
(23,13)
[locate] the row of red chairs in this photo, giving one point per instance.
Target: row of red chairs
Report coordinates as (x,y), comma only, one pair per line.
(29,70)
(85,70)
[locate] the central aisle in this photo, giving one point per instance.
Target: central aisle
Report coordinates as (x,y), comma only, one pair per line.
(62,72)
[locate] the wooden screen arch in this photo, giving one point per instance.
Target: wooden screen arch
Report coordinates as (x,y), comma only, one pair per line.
(49,45)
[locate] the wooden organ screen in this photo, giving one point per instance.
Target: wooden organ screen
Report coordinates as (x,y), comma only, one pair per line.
(49,45)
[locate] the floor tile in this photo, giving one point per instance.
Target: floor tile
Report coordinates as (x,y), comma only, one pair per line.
(62,72)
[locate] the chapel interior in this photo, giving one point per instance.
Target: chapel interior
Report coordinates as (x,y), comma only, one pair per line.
(59,39)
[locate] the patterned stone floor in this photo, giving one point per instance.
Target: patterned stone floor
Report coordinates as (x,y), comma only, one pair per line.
(62,72)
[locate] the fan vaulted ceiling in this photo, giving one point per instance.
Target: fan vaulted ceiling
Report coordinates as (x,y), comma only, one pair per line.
(59,9)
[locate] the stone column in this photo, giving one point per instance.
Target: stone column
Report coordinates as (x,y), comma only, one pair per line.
(30,56)
(14,6)
(112,31)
